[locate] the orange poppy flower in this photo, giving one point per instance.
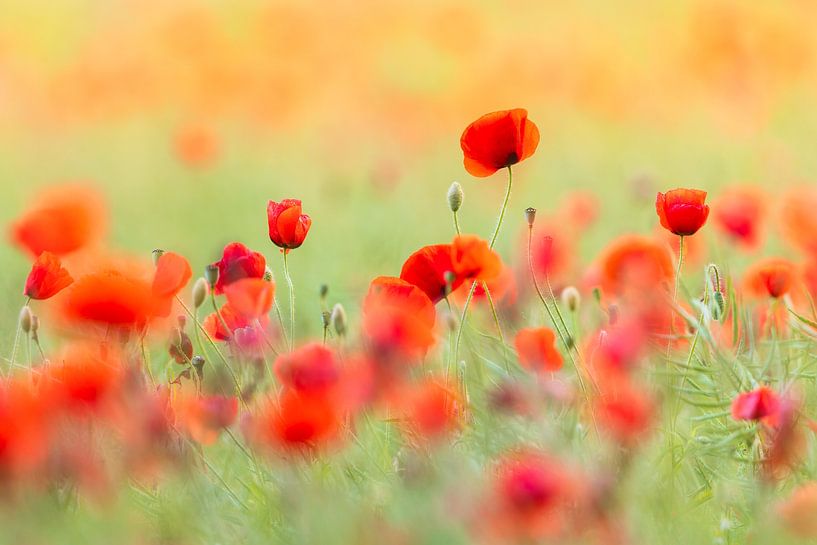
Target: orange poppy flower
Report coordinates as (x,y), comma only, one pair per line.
(25,428)
(111,296)
(798,221)
(498,140)
(63,220)
(771,277)
(172,274)
(398,316)
(739,214)
(237,262)
(536,347)
(87,379)
(682,211)
(427,269)
(310,369)
(635,263)
(203,417)
(431,410)
(297,422)
(287,225)
(473,259)
(503,290)
(47,277)
(797,512)
(250,297)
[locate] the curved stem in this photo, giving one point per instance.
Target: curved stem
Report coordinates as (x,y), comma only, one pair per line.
(491,246)
(457,224)
(291,302)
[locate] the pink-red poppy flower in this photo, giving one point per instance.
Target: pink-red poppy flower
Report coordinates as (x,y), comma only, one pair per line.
(310,369)
(760,404)
(498,140)
(536,347)
(222,326)
(682,211)
(47,277)
(238,262)
(287,225)
(739,213)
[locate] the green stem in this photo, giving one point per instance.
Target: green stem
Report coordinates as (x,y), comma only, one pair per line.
(17,339)
(291,302)
(456,223)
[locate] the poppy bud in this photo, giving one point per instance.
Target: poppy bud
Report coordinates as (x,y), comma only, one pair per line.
(35,325)
(324,291)
(157,253)
(455,196)
(718,307)
(211,274)
(287,225)
(530,216)
(268,274)
(198,365)
(326,318)
(25,319)
(571,298)
(339,319)
(181,319)
(201,290)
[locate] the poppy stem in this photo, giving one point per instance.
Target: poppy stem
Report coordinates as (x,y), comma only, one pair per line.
(498,327)
(16,344)
(456,223)
(291,302)
(491,246)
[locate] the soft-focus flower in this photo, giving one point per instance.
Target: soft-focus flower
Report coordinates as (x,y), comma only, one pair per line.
(25,428)
(310,369)
(427,269)
(739,213)
(634,263)
(204,416)
(238,262)
(222,325)
(398,317)
(797,512)
(111,296)
(624,411)
(63,220)
(798,221)
(287,225)
(47,277)
(250,297)
(770,277)
(760,404)
(473,259)
(498,140)
(297,422)
(682,211)
(430,409)
(537,351)
(172,274)
(197,146)
(87,379)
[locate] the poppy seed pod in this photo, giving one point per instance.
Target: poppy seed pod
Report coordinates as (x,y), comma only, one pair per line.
(201,289)
(211,274)
(530,216)
(339,319)
(157,253)
(455,196)
(25,319)
(571,298)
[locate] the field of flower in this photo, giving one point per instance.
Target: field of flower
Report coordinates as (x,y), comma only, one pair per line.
(430,272)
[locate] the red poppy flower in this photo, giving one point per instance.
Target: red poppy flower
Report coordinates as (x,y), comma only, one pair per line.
(24,428)
(771,277)
(761,404)
(310,369)
(172,274)
(430,409)
(503,290)
(287,225)
(238,262)
(112,296)
(427,269)
(624,411)
(498,140)
(537,351)
(87,378)
(634,263)
(473,259)
(297,422)
(738,213)
(64,219)
(203,417)
(398,317)
(47,277)
(250,297)
(682,211)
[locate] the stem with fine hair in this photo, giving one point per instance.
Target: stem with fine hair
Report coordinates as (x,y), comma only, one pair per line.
(491,246)
(17,339)
(291,302)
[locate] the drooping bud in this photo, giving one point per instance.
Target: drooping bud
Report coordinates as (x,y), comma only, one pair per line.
(339,319)
(25,319)
(200,292)
(718,306)
(530,216)
(211,274)
(571,298)
(455,196)
(157,253)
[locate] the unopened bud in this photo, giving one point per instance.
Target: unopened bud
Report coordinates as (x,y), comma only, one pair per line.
(324,291)
(35,325)
(455,196)
(339,319)
(268,274)
(200,292)
(25,319)
(718,305)
(198,365)
(571,298)
(211,274)
(326,319)
(530,216)
(157,254)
